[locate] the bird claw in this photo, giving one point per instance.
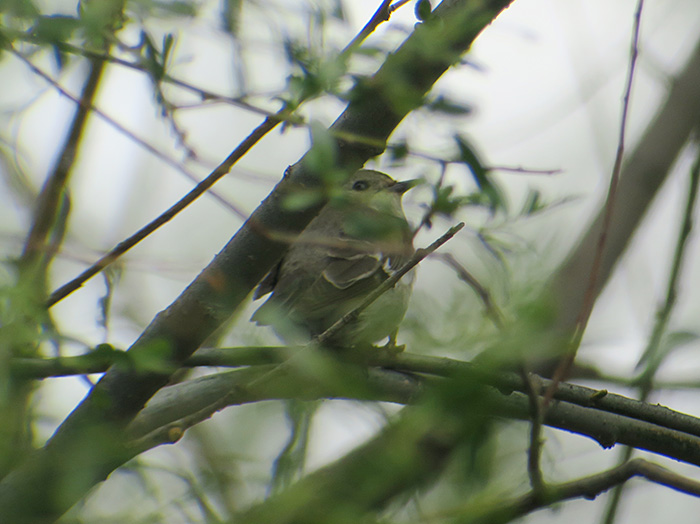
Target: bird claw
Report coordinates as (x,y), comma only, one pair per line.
(392,347)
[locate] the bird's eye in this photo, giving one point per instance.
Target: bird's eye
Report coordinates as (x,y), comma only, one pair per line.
(360,185)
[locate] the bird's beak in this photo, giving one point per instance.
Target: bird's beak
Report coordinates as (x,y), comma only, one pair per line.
(402,187)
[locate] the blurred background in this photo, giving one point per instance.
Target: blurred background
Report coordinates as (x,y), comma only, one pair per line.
(539,98)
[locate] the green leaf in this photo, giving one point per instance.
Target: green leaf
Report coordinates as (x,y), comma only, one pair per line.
(231,16)
(155,358)
(533,203)
(492,193)
(370,227)
(423,10)
(19,8)
(302,199)
(321,158)
(444,203)
(162,9)
(446,106)
(55,29)
(398,151)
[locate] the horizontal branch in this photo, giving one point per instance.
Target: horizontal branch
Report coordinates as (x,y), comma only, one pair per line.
(406,362)
(412,449)
(324,376)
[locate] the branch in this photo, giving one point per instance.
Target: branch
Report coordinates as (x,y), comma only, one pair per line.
(567,361)
(402,362)
(413,449)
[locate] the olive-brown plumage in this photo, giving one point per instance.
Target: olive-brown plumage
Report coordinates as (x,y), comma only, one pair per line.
(352,246)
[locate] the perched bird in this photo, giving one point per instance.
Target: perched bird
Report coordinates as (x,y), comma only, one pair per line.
(355,243)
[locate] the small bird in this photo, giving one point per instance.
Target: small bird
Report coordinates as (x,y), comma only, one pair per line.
(355,243)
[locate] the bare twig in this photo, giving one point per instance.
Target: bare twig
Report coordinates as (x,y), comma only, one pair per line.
(126,132)
(664,313)
(204,94)
(567,360)
(533,390)
(382,14)
(525,170)
(511,169)
(265,127)
(650,354)
(397,5)
(491,309)
(48,201)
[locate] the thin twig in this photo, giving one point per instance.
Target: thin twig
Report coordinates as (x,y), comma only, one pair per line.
(511,169)
(258,133)
(204,94)
(126,132)
(664,313)
(390,282)
(333,330)
(265,127)
(491,309)
(398,4)
(533,389)
(567,361)
(525,170)
(650,354)
(48,200)
(382,14)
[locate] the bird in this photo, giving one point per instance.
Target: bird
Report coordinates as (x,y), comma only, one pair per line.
(358,239)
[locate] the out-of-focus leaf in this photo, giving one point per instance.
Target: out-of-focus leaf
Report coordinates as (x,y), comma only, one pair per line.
(55,29)
(302,199)
(533,203)
(313,75)
(423,10)
(398,151)
(231,16)
(100,18)
(111,276)
(366,227)
(20,8)
(321,156)
(290,462)
(492,193)
(337,11)
(446,204)
(155,358)
(653,357)
(446,106)
(160,9)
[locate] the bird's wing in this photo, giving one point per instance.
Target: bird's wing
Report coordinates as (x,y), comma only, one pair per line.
(344,270)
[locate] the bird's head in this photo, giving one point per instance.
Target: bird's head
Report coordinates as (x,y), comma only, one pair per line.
(376,190)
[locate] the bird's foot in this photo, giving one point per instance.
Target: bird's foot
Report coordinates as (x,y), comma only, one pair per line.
(392,347)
